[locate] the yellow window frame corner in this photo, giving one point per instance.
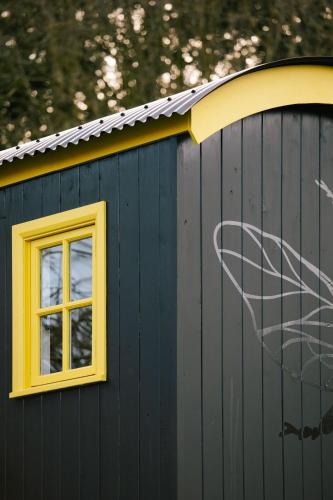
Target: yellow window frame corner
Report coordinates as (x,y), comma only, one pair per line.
(89,219)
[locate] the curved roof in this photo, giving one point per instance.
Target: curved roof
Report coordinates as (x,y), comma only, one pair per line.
(178,104)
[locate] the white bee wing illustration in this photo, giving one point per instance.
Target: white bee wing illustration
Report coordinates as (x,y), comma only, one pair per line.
(295,286)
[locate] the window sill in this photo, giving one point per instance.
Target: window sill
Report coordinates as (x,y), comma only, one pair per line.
(62,384)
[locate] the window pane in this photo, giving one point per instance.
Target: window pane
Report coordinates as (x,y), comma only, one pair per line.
(81,268)
(51,343)
(81,335)
(51,276)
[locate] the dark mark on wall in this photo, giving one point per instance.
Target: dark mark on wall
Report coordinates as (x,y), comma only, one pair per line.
(325,427)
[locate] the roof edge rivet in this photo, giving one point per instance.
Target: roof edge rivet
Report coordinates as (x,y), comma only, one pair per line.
(101,121)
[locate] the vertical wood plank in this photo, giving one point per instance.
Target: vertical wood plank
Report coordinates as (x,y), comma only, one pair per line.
(310,244)
(189,323)
(129,326)
(168,320)
(3,338)
(232,317)
(291,358)
(211,321)
(326,245)
(89,395)
(150,323)
(271,313)
(252,283)
(15,465)
(32,208)
(109,392)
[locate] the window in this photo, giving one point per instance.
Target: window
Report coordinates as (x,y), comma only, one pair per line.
(59,301)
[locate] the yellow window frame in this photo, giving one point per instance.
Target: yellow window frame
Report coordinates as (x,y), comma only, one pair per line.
(27,240)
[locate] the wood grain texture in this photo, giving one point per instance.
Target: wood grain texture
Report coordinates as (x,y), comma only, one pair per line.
(310,247)
(115,440)
(271,313)
(247,424)
(233,344)
(3,398)
(252,351)
(325,221)
(290,223)
(14,413)
(211,321)
(189,338)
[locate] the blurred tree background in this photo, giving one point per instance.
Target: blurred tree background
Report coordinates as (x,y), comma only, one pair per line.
(63,62)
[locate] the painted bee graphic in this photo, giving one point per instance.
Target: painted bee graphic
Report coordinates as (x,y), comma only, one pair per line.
(297,332)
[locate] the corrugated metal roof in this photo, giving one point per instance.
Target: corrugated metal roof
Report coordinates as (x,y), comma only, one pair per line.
(177,104)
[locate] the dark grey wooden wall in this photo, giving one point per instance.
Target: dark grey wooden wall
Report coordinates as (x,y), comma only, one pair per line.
(234,401)
(114,440)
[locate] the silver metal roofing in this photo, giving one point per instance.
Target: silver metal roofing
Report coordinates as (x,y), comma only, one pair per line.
(177,104)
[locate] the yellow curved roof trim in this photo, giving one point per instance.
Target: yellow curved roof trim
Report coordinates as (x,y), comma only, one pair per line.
(243,96)
(259,91)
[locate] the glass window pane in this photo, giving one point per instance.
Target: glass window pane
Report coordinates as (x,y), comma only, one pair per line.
(81,336)
(51,276)
(81,268)
(51,343)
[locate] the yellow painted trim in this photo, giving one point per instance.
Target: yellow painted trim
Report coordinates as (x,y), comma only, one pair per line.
(58,385)
(75,304)
(243,96)
(259,91)
(28,238)
(96,147)
(65,299)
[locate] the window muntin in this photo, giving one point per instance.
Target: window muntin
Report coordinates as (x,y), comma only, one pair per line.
(76,249)
(60,339)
